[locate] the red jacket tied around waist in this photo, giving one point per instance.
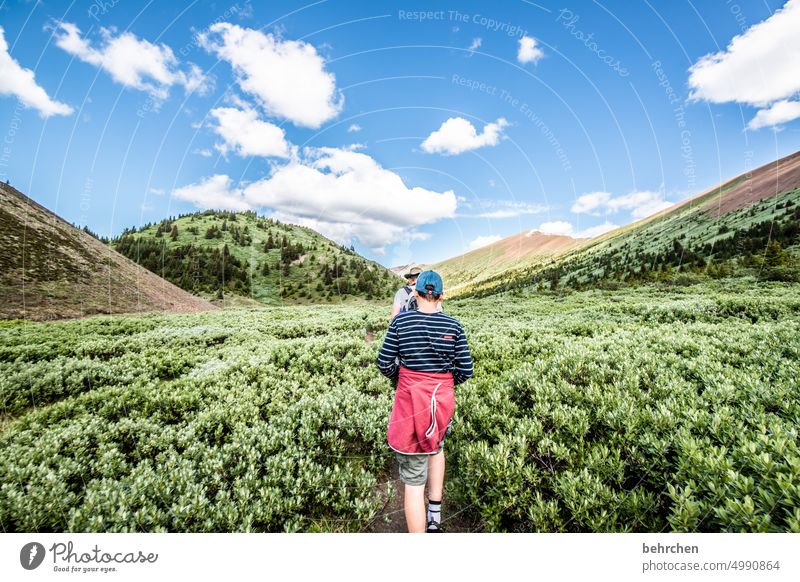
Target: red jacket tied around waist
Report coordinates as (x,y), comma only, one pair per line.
(423,407)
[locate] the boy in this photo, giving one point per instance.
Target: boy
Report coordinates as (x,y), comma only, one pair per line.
(433,357)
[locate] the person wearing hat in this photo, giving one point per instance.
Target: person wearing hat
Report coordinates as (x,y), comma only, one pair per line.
(403,297)
(427,352)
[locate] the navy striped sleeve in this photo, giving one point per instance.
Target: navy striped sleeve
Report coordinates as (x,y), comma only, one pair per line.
(462,364)
(390,350)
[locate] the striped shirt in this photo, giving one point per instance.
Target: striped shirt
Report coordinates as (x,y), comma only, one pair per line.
(426,342)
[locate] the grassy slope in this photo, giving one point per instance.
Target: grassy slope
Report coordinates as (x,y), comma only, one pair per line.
(52,270)
(301,284)
(695,222)
(523,250)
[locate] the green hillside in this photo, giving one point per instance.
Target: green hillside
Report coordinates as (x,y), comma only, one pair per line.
(529,249)
(756,234)
(241,257)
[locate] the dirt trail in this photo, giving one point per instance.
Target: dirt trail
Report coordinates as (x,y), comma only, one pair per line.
(391,518)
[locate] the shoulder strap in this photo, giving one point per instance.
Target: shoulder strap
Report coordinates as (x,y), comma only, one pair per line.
(410,304)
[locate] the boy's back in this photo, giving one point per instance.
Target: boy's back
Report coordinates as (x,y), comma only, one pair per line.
(426,342)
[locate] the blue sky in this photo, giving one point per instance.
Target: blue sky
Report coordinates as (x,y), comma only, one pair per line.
(414,130)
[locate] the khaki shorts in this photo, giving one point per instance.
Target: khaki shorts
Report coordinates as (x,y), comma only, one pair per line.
(414,468)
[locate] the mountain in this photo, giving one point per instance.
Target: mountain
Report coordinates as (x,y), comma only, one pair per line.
(747,225)
(243,257)
(524,250)
(53,270)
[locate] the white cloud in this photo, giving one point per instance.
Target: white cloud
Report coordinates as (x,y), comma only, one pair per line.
(564,228)
(214,192)
(133,62)
(21,83)
(475,45)
(348,187)
(244,133)
(204,152)
(640,204)
(758,67)
(778,113)
(590,203)
(157,191)
(483,241)
(508,209)
(594,231)
(354,128)
(457,135)
(561,227)
(528,51)
(341,193)
(288,78)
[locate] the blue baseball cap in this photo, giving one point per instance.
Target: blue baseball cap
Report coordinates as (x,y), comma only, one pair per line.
(431,278)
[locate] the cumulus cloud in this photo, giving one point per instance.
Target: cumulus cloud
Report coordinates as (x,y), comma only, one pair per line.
(594,231)
(528,51)
(590,203)
(556,227)
(564,228)
(758,67)
(215,192)
(287,77)
(483,241)
(778,113)
(132,62)
(354,128)
(640,204)
(457,135)
(247,135)
(475,44)
(344,194)
(21,83)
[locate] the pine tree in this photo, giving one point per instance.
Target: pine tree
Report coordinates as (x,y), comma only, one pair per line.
(774,255)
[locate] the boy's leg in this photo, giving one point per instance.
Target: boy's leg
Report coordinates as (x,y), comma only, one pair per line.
(436,466)
(433,518)
(414,474)
(414,505)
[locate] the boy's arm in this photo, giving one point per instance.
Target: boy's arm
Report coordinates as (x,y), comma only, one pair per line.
(462,365)
(390,351)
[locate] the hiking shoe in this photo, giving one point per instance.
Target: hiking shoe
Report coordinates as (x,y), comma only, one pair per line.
(434,527)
